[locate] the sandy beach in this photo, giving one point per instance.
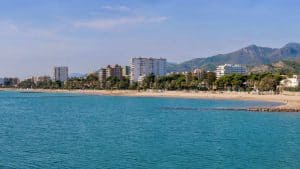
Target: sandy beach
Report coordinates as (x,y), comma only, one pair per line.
(289,100)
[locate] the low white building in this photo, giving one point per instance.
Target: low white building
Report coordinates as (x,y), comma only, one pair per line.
(228,69)
(291,82)
(199,72)
(141,78)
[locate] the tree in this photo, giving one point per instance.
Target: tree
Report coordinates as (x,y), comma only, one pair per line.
(92,77)
(112,83)
(234,82)
(269,82)
(133,86)
(28,83)
(148,81)
(124,83)
(210,79)
(238,82)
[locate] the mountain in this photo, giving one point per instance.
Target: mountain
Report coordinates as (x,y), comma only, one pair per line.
(185,66)
(76,75)
(251,55)
(283,67)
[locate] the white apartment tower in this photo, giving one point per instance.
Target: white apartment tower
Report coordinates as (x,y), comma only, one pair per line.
(141,67)
(230,69)
(60,73)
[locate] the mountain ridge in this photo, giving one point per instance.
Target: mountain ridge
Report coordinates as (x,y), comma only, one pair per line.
(250,55)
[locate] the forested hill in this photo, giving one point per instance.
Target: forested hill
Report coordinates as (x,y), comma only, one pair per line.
(251,55)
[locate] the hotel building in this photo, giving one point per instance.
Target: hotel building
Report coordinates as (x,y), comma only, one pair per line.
(8,81)
(228,69)
(109,71)
(60,73)
(126,71)
(42,79)
(141,67)
(102,75)
(115,71)
(1,81)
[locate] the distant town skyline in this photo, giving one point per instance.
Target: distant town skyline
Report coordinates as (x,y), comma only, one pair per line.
(36,35)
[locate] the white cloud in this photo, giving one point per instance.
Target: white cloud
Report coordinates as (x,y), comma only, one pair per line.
(8,27)
(116,8)
(157,19)
(107,24)
(12,29)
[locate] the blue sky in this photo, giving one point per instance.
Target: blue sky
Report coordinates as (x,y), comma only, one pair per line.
(36,35)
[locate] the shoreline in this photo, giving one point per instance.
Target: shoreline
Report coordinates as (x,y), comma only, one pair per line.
(290,100)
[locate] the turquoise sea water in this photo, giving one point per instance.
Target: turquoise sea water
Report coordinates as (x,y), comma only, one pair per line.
(73,131)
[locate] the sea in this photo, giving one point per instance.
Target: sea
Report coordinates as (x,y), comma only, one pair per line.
(47,130)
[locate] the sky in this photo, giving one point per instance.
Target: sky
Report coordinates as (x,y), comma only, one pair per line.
(36,35)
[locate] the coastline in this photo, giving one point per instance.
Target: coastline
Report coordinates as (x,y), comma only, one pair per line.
(290,101)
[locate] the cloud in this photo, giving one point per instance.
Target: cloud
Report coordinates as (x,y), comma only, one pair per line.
(117,8)
(11,29)
(157,19)
(107,24)
(8,27)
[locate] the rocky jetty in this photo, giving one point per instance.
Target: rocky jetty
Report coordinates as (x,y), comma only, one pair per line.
(273,109)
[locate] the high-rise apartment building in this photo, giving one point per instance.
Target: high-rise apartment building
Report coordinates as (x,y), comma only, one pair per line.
(118,71)
(141,67)
(60,73)
(1,81)
(230,69)
(109,71)
(10,81)
(102,75)
(126,71)
(115,71)
(43,79)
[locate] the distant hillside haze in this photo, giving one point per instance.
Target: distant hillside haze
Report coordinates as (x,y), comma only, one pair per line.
(76,75)
(250,55)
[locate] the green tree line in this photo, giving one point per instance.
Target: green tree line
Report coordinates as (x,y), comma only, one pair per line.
(207,81)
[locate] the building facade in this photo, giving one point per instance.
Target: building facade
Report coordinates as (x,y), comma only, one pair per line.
(126,71)
(1,81)
(228,69)
(43,79)
(115,71)
(109,71)
(8,81)
(199,72)
(102,75)
(141,67)
(291,82)
(60,73)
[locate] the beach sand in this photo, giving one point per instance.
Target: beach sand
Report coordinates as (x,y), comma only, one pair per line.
(289,100)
